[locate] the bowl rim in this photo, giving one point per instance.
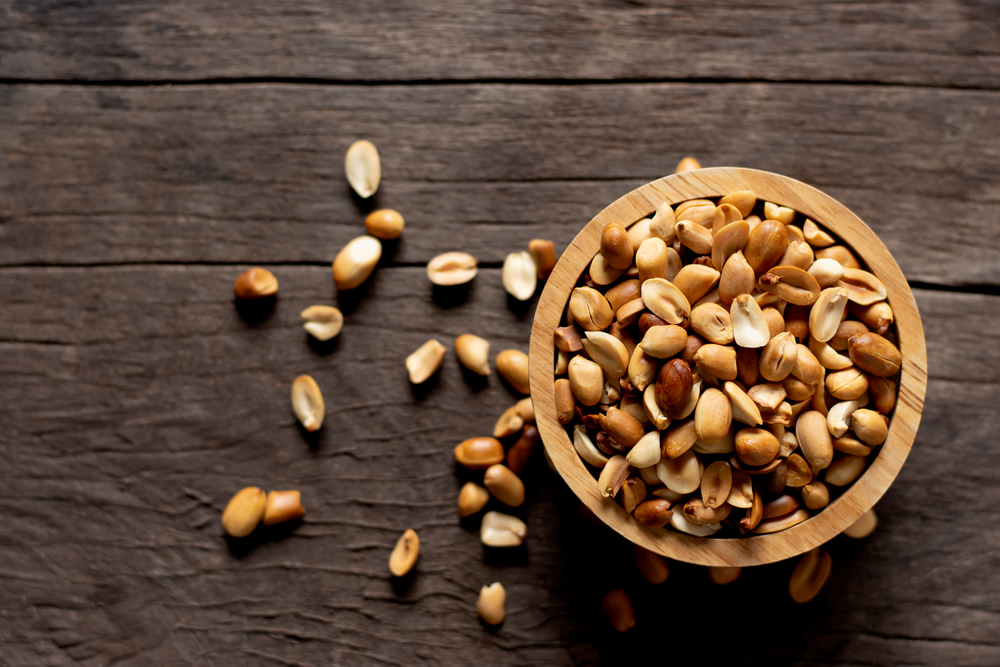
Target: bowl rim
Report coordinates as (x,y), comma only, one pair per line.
(824,210)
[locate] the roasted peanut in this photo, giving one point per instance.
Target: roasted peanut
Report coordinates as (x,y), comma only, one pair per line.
(491,603)
(874,354)
(512,365)
(471,499)
(356,261)
(473,352)
(502,530)
(544,254)
(256,283)
(244,511)
(756,447)
(404,556)
(283,506)
(363,168)
(385,224)
(479,453)
(616,248)
(307,403)
(504,485)
(452,268)
(810,575)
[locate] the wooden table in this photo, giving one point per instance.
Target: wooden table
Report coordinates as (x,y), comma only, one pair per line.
(153,150)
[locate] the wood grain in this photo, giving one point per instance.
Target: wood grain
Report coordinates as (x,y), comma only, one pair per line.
(138,400)
(931,42)
(254,174)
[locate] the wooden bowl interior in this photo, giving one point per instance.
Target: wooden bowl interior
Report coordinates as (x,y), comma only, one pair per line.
(859,497)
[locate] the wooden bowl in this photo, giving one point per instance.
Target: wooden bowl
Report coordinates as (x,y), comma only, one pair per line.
(860,496)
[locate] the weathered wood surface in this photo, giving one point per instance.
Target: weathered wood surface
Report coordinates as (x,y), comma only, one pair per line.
(212,173)
(137,400)
(931,42)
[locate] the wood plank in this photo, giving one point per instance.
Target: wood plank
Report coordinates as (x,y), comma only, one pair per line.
(931,42)
(137,400)
(253,173)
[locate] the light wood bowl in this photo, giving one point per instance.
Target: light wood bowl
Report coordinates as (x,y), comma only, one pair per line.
(859,497)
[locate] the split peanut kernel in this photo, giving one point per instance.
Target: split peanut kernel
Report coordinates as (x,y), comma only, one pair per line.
(256,283)
(404,556)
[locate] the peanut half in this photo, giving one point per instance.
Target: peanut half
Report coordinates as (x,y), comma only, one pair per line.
(356,261)
(256,283)
(491,603)
(502,530)
(244,511)
(322,322)
(385,224)
(283,506)
(404,556)
(474,353)
(471,499)
(504,485)
(307,403)
(512,365)
(452,268)
(520,275)
(479,453)
(810,575)
(363,168)
(544,254)
(425,361)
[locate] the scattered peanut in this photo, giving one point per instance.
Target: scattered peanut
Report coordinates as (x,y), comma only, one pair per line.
(520,275)
(307,403)
(404,556)
(473,352)
(425,361)
(363,168)
(452,268)
(356,261)
(504,485)
(283,506)
(544,254)
(385,224)
(618,608)
(810,575)
(471,499)
(322,322)
(256,283)
(502,530)
(244,511)
(863,527)
(491,603)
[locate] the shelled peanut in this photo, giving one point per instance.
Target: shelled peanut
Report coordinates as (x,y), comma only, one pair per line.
(726,365)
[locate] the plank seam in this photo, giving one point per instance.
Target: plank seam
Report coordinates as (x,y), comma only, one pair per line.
(972,288)
(323,81)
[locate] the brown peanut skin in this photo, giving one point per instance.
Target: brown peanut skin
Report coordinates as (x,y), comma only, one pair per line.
(874,354)
(765,245)
(648,321)
(520,452)
(654,513)
(616,248)
(756,446)
(673,384)
(565,401)
(622,427)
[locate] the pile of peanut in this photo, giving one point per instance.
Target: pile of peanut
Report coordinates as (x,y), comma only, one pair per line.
(727,367)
